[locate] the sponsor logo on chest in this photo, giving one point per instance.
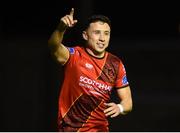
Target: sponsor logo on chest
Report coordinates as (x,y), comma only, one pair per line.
(95,85)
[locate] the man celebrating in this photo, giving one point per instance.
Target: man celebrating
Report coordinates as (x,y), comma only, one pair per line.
(90,75)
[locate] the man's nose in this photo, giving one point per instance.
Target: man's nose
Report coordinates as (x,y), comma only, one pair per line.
(101,38)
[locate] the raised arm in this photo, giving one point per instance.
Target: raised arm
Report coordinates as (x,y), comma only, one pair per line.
(58,50)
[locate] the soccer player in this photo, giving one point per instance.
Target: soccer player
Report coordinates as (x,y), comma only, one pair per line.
(90,75)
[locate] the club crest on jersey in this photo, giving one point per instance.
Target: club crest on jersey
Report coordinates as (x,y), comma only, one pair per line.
(89,66)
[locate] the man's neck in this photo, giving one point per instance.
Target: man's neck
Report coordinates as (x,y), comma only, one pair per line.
(94,53)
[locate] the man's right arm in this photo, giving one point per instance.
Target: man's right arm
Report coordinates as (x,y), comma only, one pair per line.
(58,50)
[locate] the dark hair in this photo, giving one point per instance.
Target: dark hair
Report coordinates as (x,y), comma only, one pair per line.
(95,18)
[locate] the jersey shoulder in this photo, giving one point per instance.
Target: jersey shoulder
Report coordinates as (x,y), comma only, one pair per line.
(114,58)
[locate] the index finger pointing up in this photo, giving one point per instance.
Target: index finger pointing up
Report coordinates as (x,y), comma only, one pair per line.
(72,12)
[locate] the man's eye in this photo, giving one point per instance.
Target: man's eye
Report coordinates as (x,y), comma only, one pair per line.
(96,32)
(107,33)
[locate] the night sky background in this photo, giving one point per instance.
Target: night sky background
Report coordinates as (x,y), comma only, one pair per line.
(145,35)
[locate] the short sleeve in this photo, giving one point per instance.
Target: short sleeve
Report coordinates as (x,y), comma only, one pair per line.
(121,80)
(73,55)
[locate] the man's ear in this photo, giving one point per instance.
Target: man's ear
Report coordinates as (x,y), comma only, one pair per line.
(84,34)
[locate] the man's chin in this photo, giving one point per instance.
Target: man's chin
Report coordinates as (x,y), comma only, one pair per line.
(100,51)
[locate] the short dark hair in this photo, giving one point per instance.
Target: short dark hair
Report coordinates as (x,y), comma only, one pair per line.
(95,18)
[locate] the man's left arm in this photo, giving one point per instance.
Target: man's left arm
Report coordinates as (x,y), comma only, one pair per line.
(123,107)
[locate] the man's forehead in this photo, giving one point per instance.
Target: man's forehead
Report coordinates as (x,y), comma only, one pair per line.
(99,25)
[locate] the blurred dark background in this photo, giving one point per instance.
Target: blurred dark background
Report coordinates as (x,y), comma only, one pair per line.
(145,35)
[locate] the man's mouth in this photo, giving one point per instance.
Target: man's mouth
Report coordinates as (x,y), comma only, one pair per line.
(100,45)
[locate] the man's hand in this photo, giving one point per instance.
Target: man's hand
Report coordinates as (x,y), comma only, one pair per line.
(112,110)
(68,20)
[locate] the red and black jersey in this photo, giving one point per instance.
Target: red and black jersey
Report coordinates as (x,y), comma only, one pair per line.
(87,85)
